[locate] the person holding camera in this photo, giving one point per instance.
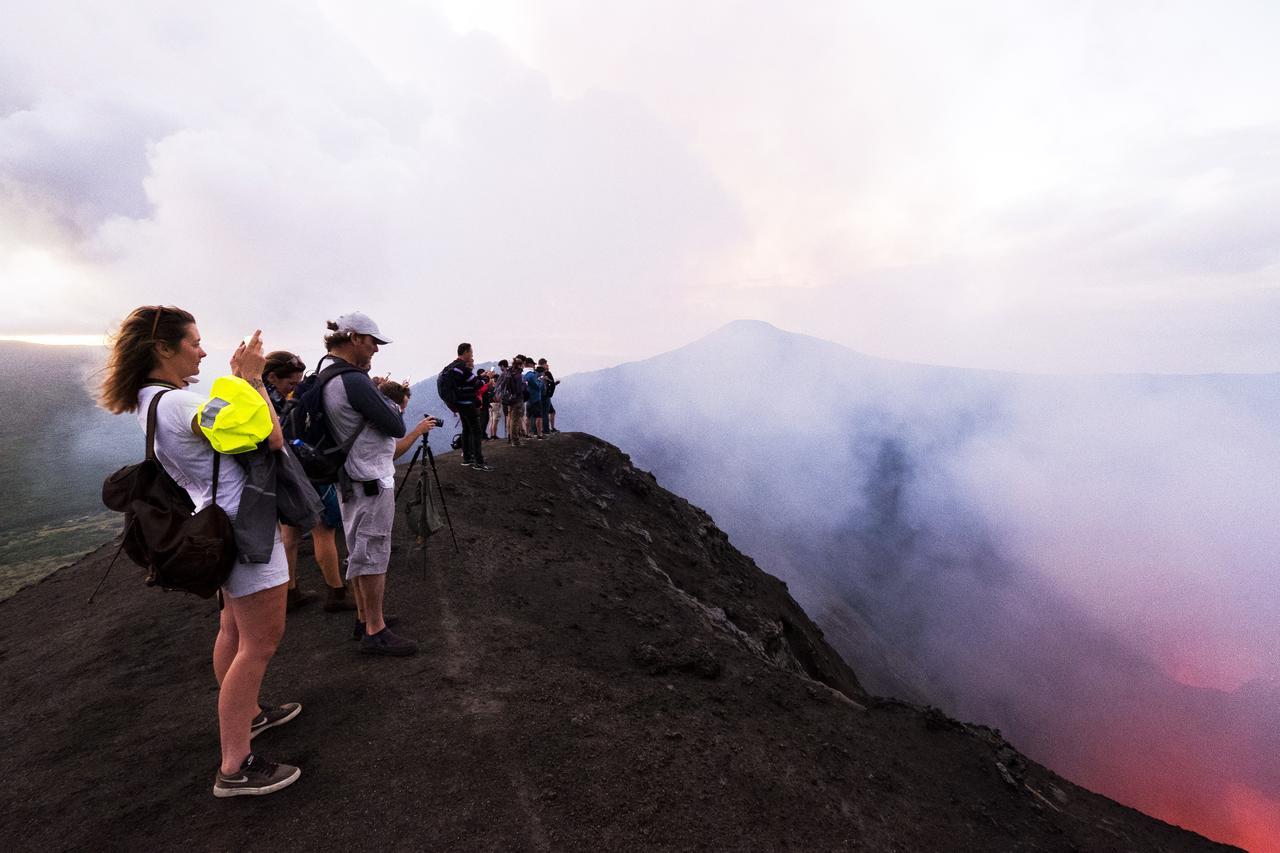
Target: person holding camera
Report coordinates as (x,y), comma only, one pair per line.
(399,393)
(360,415)
(157,350)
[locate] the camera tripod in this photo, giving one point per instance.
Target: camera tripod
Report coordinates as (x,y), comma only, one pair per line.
(423,453)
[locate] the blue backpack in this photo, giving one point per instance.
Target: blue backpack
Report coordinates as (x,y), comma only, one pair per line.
(306,427)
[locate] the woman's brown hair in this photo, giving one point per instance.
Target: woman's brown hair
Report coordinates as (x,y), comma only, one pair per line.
(283,364)
(133,353)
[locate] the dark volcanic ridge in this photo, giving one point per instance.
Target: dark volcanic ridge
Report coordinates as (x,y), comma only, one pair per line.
(600,670)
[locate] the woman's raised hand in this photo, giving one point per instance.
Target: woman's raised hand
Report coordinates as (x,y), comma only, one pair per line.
(248,360)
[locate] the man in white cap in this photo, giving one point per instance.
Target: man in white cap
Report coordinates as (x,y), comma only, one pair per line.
(358,413)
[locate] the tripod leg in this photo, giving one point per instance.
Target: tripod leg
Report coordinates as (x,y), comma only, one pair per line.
(408,472)
(443,504)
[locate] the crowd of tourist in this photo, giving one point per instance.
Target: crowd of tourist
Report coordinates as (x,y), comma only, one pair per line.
(359,418)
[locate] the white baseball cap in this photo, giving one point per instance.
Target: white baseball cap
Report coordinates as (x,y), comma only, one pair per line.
(360,324)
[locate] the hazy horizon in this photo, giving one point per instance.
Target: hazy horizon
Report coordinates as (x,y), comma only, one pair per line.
(1005,186)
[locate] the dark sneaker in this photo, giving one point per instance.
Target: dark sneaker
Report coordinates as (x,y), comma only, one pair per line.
(480,466)
(386,643)
(256,777)
(298,598)
(467,463)
(339,601)
(271,717)
(357,633)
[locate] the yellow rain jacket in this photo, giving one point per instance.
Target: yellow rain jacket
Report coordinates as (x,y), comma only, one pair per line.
(235,418)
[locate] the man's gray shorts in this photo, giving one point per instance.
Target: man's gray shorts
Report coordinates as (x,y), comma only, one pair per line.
(366,521)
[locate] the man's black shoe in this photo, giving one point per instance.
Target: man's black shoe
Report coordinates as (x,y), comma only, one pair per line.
(357,633)
(386,643)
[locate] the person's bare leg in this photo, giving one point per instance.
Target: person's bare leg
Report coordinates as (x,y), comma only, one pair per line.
(325,541)
(371,590)
(226,644)
(290,536)
(358,594)
(259,621)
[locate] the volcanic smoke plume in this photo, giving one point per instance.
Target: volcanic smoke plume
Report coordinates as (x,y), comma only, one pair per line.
(1086,563)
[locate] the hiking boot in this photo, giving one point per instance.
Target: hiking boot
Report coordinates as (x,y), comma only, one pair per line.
(271,717)
(256,777)
(338,600)
(480,466)
(298,598)
(358,632)
(386,643)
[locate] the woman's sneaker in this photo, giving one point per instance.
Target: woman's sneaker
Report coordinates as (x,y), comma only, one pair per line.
(256,777)
(270,717)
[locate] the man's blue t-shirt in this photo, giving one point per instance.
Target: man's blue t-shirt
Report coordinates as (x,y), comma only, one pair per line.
(534,384)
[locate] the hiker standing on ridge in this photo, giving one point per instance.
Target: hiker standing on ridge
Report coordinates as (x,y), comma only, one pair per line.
(358,413)
(282,374)
(157,350)
(549,384)
(457,388)
(533,382)
(511,391)
(484,394)
(496,408)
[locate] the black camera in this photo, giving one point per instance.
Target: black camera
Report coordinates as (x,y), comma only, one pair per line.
(437,421)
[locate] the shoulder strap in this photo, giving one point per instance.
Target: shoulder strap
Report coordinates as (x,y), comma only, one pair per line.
(332,372)
(151,437)
(217,458)
(151,420)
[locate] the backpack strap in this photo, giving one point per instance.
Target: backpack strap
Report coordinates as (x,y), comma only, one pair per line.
(151,439)
(217,459)
(151,417)
(333,371)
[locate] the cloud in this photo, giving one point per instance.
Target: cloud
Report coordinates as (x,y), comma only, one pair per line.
(1025,186)
(382,162)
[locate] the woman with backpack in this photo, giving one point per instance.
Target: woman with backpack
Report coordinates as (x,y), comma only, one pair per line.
(281,374)
(157,351)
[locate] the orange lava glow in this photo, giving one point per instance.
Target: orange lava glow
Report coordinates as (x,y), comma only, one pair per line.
(1257,820)
(1238,815)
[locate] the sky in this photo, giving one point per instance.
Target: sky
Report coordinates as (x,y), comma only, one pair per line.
(1027,186)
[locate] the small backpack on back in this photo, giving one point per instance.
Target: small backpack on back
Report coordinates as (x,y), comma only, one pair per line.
(306,427)
(178,549)
(445,387)
(511,387)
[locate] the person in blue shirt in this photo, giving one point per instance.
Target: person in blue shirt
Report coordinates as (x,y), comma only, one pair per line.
(533,407)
